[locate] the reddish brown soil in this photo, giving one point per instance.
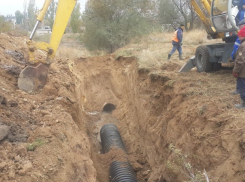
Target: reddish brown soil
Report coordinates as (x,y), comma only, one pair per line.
(169,121)
(45,120)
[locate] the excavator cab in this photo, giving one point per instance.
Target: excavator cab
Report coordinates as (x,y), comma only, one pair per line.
(223,16)
(220,21)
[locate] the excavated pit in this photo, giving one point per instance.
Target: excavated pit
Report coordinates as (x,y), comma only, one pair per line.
(174,126)
(167,120)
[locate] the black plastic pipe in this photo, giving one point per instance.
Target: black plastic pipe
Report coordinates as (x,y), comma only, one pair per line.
(122,172)
(111,138)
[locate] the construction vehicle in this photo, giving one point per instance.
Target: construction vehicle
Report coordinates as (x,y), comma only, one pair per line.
(218,17)
(34,77)
(219,20)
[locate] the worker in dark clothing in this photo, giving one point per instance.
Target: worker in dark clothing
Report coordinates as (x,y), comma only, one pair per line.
(241,24)
(239,68)
(177,42)
(241,13)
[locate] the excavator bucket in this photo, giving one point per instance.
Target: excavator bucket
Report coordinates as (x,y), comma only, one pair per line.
(31,78)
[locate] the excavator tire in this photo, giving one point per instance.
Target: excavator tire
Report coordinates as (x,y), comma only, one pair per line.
(202,60)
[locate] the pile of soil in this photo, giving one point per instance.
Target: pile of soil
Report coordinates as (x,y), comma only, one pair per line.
(40,141)
(174,125)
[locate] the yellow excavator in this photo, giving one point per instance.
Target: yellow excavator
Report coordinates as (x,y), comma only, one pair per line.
(219,20)
(32,78)
(218,17)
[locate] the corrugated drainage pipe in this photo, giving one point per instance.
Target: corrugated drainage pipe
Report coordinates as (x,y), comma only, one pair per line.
(110,137)
(122,172)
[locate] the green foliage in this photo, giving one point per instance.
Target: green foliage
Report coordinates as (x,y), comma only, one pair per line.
(31,14)
(4,26)
(19,17)
(168,13)
(38,142)
(111,24)
(75,21)
(25,22)
(49,16)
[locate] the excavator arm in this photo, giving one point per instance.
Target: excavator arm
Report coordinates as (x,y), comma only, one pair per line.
(204,18)
(207,12)
(219,20)
(33,78)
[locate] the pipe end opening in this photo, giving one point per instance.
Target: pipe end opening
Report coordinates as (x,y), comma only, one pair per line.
(108,107)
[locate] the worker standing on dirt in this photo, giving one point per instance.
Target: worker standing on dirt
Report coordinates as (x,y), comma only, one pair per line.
(241,24)
(239,68)
(177,41)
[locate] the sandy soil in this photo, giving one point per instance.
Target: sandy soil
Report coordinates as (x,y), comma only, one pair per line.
(42,143)
(174,125)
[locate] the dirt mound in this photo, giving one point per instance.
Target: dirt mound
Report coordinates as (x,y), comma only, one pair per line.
(171,66)
(39,138)
(174,125)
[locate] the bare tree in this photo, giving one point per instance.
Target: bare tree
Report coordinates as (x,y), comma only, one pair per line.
(175,12)
(192,15)
(187,12)
(168,14)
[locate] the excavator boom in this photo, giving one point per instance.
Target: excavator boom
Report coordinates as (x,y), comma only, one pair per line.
(32,78)
(204,18)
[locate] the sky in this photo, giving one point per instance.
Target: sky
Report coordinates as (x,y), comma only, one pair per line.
(8,7)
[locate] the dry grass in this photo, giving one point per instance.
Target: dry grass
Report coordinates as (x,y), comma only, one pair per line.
(152,50)
(68,37)
(192,37)
(70,46)
(195,37)
(71,52)
(179,163)
(42,37)
(150,58)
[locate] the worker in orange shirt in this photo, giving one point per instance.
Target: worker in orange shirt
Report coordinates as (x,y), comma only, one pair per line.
(177,41)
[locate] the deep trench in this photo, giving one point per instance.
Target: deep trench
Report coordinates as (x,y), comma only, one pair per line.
(94,118)
(133,106)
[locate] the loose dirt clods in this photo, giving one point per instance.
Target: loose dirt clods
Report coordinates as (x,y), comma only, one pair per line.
(163,116)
